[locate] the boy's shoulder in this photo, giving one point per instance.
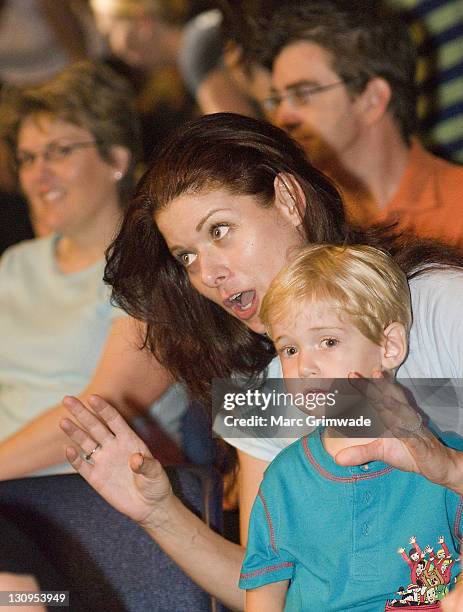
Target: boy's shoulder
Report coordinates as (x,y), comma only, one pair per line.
(289,461)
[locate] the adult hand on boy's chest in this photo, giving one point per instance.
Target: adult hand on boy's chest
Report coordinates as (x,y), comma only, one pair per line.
(409,446)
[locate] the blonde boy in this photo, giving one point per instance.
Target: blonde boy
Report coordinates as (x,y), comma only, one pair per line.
(322,536)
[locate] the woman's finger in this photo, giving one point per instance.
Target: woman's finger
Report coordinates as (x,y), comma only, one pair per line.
(86,443)
(82,467)
(109,415)
(88,422)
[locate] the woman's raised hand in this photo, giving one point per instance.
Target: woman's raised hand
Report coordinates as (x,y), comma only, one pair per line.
(115,461)
(409,445)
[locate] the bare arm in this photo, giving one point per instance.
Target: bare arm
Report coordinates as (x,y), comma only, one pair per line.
(125,376)
(270,597)
(126,475)
(250,476)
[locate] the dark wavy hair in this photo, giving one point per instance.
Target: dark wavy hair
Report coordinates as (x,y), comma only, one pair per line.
(195,339)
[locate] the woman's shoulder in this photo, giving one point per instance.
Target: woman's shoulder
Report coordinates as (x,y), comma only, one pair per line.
(28,253)
(437,329)
(436,285)
(436,276)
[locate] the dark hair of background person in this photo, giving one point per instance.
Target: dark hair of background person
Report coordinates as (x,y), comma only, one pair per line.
(89,95)
(171,12)
(364,38)
(194,338)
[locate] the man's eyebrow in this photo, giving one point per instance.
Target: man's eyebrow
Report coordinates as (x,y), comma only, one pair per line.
(302,83)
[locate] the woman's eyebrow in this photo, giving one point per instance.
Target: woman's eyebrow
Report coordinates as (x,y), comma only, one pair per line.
(206,217)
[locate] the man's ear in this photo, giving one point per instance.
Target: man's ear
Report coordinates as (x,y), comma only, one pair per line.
(394,346)
(374,100)
(289,197)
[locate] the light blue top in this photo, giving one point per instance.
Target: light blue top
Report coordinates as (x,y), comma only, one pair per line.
(53,327)
(334,531)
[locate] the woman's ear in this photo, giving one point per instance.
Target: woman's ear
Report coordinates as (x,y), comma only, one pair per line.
(289,197)
(394,346)
(120,161)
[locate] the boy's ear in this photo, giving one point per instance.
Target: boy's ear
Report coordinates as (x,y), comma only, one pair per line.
(289,197)
(394,346)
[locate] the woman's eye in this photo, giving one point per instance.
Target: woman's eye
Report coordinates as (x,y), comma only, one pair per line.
(329,342)
(219,231)
(187,259)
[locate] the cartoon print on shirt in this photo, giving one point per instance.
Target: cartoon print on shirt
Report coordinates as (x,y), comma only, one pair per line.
(430,575)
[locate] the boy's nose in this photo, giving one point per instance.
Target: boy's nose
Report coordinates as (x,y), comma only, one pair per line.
(307,367)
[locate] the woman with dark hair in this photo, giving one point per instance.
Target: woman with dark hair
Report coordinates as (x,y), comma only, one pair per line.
(225,202)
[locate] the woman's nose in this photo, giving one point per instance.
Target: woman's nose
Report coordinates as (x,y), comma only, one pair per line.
(213,273)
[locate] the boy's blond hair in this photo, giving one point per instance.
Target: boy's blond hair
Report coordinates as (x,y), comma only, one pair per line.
(358,281)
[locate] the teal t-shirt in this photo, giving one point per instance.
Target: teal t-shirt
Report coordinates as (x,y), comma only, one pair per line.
(335,532)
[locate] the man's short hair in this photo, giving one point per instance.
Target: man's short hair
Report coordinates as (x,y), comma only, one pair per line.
(359,282)
(364,38)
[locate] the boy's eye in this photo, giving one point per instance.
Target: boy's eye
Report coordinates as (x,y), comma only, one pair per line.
(329,342)
(186,259)
(288,351)
(219,231)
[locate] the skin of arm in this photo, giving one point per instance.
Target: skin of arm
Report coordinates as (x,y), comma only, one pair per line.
(219,562)
(20,582)
(454,601)
(270,597)
(126,376)
(251,474)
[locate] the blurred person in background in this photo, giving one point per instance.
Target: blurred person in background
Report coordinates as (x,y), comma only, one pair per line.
(145,36)
(205,49)
(38,38)
(76,141)
(343,85)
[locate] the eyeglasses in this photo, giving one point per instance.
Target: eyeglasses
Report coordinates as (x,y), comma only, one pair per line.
(298,95)
(53,152)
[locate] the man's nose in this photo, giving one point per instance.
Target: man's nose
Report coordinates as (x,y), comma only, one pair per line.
(285,116)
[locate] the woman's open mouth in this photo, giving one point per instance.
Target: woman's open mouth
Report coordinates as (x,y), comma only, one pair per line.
(244,304)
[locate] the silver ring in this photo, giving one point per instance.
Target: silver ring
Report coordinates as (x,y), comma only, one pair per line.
(89,455)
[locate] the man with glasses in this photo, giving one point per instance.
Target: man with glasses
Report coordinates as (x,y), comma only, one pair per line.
(343,85)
